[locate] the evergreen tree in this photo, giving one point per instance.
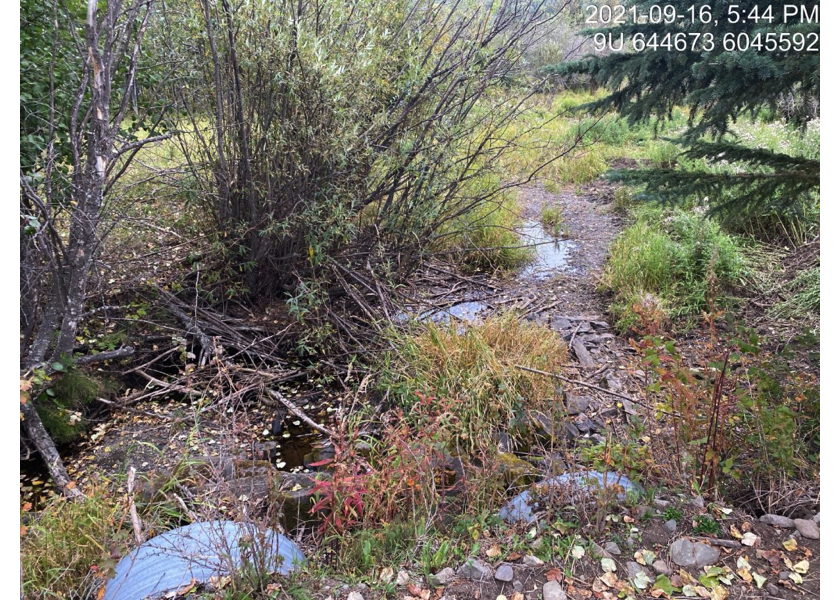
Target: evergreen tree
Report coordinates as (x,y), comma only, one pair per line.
(745,61)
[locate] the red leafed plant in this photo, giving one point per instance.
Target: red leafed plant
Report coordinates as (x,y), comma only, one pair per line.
(341,498)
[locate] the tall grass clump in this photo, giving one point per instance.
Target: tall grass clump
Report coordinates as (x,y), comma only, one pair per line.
(476,370)
(677,260)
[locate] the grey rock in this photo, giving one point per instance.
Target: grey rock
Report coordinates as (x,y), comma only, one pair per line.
(612,548)
(517,586)
(532,561)
(784,575)
(504,573)
(553,591)
(355,596)
(698,502)
(585,424)
(475,569)
(559,323)
(773,589)
(670,526)
(403,578)
(661,567)
(706,555)
(686,553)
(661,504)
(577,404)
(442,577)
(633,568)
(582,354)
(816,518)
(777,521)
(643,511)
(807,528)
(602,325)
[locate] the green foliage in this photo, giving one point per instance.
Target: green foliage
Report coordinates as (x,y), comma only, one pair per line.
(62,406)
(672,513)
(677,261)
(67,539)
(706,524)
(718,87)
(551,218)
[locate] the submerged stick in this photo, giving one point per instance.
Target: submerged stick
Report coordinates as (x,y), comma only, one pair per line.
(300,414)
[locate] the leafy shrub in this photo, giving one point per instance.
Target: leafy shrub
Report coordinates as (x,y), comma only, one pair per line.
(62,406)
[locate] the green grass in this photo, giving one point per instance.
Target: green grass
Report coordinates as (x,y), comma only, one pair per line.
(551,219)
(675,263)
(802,297)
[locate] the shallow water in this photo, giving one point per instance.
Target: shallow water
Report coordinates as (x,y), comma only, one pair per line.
(552,254)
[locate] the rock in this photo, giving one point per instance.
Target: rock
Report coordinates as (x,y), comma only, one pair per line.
(442,577)
(773,589)
(634,568)
(698,502)
(777,521)
(807,528)
(403,578)
(475,569)
(816,518)
(503,441)
(611,382)
(784,575)
(686,553)
(517,586)
(582,354)
(602,325)
(553,591)
(585,424)
(670,526)
(661,567)
(643,511)
(355,596)
(612,548)
(577,404)
(559,324)
(515,471)
(532,561)
(504,573)
(661,504)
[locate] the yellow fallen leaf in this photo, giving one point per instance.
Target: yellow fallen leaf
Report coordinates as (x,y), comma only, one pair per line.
(736,533)
(494,551)
(744,573)
(609,579)
(790,545)
(802,567)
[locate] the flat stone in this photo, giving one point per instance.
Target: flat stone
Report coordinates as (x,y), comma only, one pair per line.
(661,567)
(670,526)
(582,354)
(532,561)
(585,424)
(698,502)
(661,504)
(504,573)
(553,591)
(777,521)
(577,404)
(403,578)
(517,586)
(686,553)
(475,569)
(612,548)
(355,596)
(442,577)
(816,518)
(773,589)
(807,528)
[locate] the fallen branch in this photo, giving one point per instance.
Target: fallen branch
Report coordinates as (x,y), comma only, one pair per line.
(132,509)
(300,414)
(88,359)
(43,442)
(593,387)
